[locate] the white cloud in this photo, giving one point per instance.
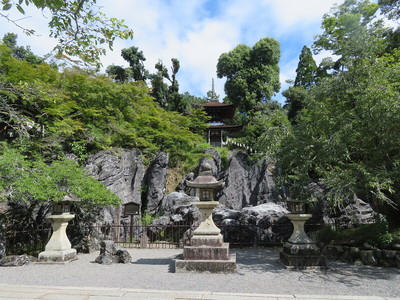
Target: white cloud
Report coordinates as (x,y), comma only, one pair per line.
(197,32)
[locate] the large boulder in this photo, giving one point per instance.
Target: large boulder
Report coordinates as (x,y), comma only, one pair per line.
(180,207)
(247,183)
(110,253)
(356,212)
(154,182)
(264,223)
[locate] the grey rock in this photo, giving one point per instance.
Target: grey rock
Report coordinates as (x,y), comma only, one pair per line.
(368,257)
(120,170)
(16,260)
(155,182)
(180,207)
(247,183)
(357,212)
(214,161)
(123,256)
(110,253)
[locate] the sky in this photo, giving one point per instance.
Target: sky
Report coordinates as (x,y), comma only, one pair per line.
(197,32)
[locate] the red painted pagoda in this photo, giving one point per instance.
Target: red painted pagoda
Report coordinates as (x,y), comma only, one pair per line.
(219,112)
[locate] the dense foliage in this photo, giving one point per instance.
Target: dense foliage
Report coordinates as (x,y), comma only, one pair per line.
(46,114)
(346,129)
(252,73)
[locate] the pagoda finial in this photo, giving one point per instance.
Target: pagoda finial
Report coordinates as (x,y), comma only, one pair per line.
(213,91)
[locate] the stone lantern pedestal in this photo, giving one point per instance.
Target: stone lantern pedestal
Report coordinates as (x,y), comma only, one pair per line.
(300,251)
(58,249)
(207,253)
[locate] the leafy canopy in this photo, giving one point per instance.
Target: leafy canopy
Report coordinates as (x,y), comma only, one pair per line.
(80,26)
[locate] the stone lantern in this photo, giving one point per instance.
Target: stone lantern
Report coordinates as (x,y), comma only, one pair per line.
(300,251)
(58,248)
(207,252)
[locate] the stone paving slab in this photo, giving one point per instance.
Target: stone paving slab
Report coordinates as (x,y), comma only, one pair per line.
(23,292)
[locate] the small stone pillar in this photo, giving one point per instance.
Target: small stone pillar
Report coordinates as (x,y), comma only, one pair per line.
(207,253)
(58,249)
(300,252)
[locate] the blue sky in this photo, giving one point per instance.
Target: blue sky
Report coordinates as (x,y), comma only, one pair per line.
(197,32)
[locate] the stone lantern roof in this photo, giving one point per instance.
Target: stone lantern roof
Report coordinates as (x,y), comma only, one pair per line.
(205,179)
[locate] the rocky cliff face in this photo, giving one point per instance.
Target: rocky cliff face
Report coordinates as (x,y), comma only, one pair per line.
(247,183)
(121,171)
(154,182)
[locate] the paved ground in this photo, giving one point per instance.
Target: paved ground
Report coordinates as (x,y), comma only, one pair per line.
(151,276)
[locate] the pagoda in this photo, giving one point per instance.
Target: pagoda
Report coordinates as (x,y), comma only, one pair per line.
(219,113)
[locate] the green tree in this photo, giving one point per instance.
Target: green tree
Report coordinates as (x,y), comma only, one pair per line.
(168,95)
(306,69)
(79,25)
(347,35)
(136,60)
(252,74)
(306,75)
(346,134)
(20,52)
(119,73)
(27,180)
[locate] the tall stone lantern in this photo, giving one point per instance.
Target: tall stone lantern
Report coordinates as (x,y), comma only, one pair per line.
(58,249)
(300,251)
(207,253)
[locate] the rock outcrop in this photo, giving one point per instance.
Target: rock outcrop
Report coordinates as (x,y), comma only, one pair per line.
(154,182)
(121,171)
(247,183)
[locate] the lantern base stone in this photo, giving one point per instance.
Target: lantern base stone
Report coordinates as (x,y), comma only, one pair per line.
(57,256)
(206,266)
(302,261)
(206,252)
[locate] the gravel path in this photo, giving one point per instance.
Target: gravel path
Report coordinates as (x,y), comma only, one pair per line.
(258,272)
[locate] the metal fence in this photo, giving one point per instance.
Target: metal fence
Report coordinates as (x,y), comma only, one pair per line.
(30,242)
(158,236)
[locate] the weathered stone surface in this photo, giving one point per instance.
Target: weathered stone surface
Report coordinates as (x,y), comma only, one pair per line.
(368,257)
(155,182)
(110,253)
(177,203)
(17,260)
(123,256)
(357,212)
(247,183)
(266,222)
(214,161)
(120,170)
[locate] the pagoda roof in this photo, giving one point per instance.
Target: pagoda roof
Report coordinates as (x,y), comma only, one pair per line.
(219,111)
(215,103)
(226,127)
